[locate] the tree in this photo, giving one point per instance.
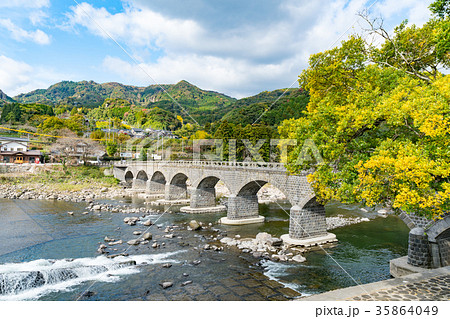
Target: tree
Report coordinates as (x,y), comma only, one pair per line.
(225,132)
(440,8)
(111,148)
(11,113)
(383,131)
(73,147)
(52,124)
(418,51)
(97,135)
(143,155)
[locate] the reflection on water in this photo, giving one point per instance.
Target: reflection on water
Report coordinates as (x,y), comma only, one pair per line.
(363,250)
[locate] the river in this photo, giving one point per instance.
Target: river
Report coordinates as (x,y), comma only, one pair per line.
(48,254)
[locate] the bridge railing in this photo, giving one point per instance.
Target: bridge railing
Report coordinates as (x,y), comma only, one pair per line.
(248,165)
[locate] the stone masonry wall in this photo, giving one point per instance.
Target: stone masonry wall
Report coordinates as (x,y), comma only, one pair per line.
(444,250)
(155,187)
(175,192)
(241,207)
(418,248)
(203,197)
(307,222)
(139,184)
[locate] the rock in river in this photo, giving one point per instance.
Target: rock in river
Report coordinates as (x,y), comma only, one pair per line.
(133,242)
(194,225)
(299,258)
(147,236)
(148,223)
(166,284)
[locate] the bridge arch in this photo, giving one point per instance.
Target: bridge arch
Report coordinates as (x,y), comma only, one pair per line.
(142,175)
(251,188)
(439,229)
(179,179)
(129,177)
(208,182)
(177,188)
(156,184)
(158,177)
(141,180)
(203,194)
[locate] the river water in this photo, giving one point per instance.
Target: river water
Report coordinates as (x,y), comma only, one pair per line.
(47,254)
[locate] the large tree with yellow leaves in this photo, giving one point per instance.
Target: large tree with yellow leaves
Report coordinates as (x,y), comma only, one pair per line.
(380,117)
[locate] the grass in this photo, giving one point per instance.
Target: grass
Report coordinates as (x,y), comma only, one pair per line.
(70,178)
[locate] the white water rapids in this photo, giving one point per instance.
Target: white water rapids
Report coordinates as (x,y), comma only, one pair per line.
(31,280)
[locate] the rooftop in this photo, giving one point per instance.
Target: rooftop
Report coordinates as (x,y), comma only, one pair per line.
(9,138)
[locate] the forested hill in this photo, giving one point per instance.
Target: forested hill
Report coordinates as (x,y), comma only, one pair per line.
(269,108)
(4,98)
(201,104)
(190,102)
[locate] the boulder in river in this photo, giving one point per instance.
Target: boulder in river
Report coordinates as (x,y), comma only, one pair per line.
(133,242)
(264,238)
(147,236)
(148,223)
(188,282)
(166,284)
(194,225)
(299,258)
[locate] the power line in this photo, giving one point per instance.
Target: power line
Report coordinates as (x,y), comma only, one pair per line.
(47,135)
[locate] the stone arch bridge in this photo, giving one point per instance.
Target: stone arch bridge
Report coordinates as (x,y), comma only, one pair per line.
(196,180)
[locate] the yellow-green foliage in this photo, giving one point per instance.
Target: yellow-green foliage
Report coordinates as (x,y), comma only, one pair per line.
(383,132)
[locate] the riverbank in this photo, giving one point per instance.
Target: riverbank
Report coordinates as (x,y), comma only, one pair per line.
(428,285)
(56,182)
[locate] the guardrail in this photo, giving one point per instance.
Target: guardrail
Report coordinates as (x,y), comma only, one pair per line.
(251,165)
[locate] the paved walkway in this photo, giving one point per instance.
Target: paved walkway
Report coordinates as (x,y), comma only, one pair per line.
(429,285)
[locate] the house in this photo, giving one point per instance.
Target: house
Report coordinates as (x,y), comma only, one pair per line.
(21,157)
(8,143)
(138,132)
(110,130)
(15,150)
(76,152)
(13,146)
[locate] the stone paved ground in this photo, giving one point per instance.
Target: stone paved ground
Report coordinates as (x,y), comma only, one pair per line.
(428,285)
(433,289)
(246,287)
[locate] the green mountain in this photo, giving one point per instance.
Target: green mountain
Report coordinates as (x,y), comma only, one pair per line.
(4,98)
(182,98)
(269,108)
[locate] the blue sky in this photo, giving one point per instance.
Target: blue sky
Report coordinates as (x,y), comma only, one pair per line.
(237,47)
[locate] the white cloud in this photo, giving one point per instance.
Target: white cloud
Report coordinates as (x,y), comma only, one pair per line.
(19,34)
(245,56)
(19,77)
(138,27)
(24,3)
(37,17)
(235,77)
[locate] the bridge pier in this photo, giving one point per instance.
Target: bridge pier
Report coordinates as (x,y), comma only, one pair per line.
(153,187)
(203,200)
(203,197)
(242,210)
(174,192)
(307,226)
(139,184)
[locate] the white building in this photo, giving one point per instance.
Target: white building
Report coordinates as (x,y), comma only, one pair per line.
(12,144)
